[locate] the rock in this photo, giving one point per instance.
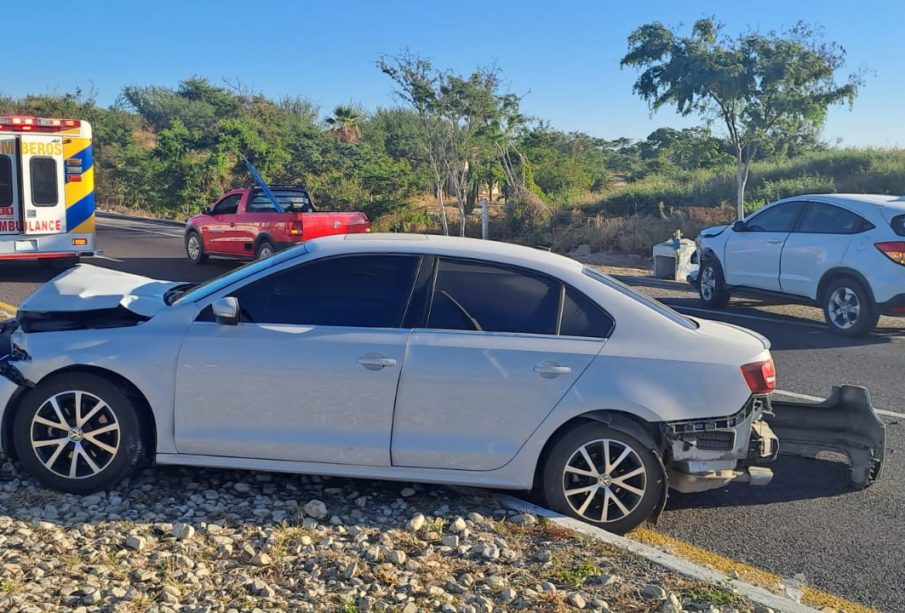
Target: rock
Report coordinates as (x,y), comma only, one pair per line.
(451,540)
(489,551)
(672,604)
(182,531)
(458,525)
(136,542)
(652,591)
(507,595)
(416,523)
(495,582)
(261,559)
(259,587)
(407,492)
(397,557)
(577,600)
(410,608)
(580,251)
(546,586)
(242,487)
(525,519)
(315,509)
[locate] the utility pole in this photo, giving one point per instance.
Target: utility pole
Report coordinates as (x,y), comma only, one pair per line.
(485,220)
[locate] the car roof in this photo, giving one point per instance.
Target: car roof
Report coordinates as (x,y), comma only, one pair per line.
(884,201)
(451,246)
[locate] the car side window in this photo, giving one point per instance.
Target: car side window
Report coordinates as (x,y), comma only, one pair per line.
(362,291)
(582,317)
(228,205)
(485,297)
(778,218)
(822,218)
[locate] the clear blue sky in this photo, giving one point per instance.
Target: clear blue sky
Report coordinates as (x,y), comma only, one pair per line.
(563,56)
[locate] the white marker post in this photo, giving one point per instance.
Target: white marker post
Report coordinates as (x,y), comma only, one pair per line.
(485,220)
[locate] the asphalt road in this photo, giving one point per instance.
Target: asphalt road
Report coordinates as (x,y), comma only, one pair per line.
(808,521)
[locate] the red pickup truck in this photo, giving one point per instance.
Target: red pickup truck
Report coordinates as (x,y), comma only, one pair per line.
(244,223)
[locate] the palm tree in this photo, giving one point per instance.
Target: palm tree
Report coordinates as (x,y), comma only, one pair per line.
(346,123)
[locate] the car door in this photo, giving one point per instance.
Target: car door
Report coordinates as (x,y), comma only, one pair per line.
(818,243)
(494,358)
(310,372)
(753,256)
(221,231)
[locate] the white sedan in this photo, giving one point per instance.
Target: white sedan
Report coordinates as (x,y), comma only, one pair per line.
(400,357)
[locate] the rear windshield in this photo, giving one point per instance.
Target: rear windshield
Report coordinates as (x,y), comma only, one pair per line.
(647,301)
(43,181)
(898,225)
(290,200)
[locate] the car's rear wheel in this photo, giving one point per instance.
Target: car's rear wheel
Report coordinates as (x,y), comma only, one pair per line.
(78,432)
(712,285)
(848,308)
(603,476)
(265,250)
(194,248)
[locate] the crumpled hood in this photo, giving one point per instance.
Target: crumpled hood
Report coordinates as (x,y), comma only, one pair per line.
(713,231)
(87,288)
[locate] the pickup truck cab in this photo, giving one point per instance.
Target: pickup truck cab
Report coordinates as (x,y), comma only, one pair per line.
(244,223)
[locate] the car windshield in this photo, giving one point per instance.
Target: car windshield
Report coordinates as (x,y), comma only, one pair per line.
(192,292)
(650,303)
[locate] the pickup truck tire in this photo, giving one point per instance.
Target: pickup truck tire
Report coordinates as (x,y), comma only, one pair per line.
(712,284)
(78,432)
(848,308)
(603,476)
(264,250)
(194,248)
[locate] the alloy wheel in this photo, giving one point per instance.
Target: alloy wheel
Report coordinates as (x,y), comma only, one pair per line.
(194,247)
(708,283)
(75,434)
(604,480)
(844,308)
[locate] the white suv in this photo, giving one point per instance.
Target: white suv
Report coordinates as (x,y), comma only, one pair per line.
(843,252)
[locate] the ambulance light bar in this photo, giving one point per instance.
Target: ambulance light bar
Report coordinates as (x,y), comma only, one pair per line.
(27,123)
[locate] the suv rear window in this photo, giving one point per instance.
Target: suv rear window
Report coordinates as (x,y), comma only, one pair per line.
(898,225)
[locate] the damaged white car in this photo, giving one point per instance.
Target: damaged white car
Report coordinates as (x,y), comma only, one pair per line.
(411,358)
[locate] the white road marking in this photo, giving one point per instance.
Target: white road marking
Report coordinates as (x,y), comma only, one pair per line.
(808,398)
(104,257)
(746,316)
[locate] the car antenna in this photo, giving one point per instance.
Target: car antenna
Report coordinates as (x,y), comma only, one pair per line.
(262,184)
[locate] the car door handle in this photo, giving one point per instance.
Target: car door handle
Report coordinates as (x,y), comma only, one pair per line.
(375,361)
(548,370)
(232,224)
(775,241)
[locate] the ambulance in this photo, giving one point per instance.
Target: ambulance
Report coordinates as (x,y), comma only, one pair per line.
(46,189)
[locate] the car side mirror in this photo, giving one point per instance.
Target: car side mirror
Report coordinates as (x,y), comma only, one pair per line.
(226,311)
(206,210)
(739,226)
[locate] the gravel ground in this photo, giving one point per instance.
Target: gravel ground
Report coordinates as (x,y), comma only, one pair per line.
(180,539)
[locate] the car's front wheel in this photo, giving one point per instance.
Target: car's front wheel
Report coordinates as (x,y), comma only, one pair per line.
(603,476)
(848,308)
(78,432)
(712,285)
(194,248)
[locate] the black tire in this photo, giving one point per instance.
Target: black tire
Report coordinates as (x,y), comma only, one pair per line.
(194,248)
(264,250)
(96,467)
(711,284)
(848,308)
(566,451)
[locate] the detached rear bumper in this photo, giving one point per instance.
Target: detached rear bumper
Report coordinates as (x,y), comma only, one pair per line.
(845,423)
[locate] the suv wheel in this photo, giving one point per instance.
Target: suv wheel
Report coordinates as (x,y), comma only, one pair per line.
(194,248)
(848,308)
(603,476)
(712,285)
(78,433)
(264,250)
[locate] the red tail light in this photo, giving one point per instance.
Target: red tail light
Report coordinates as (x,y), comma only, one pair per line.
(295,228)
(894,250)
(760,376)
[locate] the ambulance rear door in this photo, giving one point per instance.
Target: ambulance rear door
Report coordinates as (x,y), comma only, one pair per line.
(9,184)
(43,199)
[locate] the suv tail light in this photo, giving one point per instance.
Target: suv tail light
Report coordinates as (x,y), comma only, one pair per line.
(894,250)
(295,228)
(760,376)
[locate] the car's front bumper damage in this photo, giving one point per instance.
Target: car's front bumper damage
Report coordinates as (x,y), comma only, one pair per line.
(708,454)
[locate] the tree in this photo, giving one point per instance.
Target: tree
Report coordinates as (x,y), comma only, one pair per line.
(346,123)
(759,86)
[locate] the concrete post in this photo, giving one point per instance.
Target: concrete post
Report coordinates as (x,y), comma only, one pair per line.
(485,219)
